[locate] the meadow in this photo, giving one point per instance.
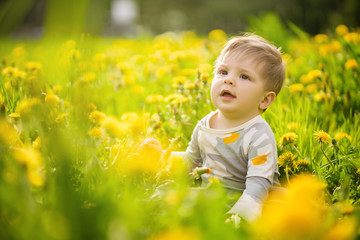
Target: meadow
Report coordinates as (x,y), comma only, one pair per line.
(74,112)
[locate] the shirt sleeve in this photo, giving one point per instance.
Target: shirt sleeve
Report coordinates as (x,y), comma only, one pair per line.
(262,160)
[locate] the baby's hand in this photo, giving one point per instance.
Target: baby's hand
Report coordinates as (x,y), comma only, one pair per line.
(150,148)
(234,220)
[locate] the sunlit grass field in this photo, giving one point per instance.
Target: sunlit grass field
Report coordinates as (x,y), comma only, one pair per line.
(75,111)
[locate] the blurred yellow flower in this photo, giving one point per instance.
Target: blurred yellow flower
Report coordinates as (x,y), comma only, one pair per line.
(129,78)
(292,126)
(311,88)
(339,136)
(178,80)
(97,116)
(189,85)
(52,100)
(343,229)
(75,54)
(28,156)
(217,35)
(320,96)
(352,37)
(178,233)
(322,137)
(288,138)
(14,115)
(116,128)
(9,71)
(335,46)
(25,106)
(204,77)
(296,87)
(95,132)
(123,67)
(61,117)
(321,38)
(33,66)
(351,64)
(294,214)
(8,134)
(176,98)
(313,74)
(35,178)
(341,30)
(88,77)
(154,98)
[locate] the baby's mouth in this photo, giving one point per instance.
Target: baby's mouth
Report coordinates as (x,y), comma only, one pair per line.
(227,94)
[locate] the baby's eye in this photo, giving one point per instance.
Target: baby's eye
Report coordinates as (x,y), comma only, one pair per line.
(243,76)
(223,72)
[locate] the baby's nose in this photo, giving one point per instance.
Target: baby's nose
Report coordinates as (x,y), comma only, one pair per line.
(228,82)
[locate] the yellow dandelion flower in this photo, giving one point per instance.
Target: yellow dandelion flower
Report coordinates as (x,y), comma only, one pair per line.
(324,50)
(96,132)
(296,87)
(287,159)
(20,74)
(217,35)
(52,100)
(313,74)
(61,117)
(25,106)
(358,171)
(311,88)
(33,66)
(176,98)
(292,126)
(335,46)
(189,85)
(322,137)
(154,98)
(352,37)
(8,133)
(9,71)
(28,156)
(91,107)
(305,79)
(341,135)
(97,116)
(321,38)
(320,96)
(178,80)
(35,178)
(204,77)
(341,30)
(14,115)
(288,138)
(303,162)
(123,67)
(88,77)
(129,78)
(345,228)
(351,64)
(116,128)
(188,72)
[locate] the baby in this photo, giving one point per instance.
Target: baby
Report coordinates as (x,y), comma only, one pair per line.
(235,141)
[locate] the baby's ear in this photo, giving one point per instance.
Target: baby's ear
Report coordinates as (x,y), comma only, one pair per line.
(268,99)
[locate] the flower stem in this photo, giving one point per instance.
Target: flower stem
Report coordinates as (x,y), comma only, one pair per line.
(287,174)
(322,150)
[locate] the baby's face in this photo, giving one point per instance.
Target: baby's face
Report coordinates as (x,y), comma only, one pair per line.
(237,87)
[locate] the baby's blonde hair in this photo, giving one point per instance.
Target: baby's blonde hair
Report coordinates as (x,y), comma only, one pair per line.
(265,55)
